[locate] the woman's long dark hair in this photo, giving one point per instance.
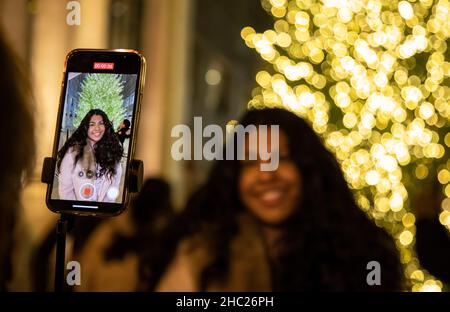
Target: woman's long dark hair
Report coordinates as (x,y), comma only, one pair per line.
(108,151)
(328,242)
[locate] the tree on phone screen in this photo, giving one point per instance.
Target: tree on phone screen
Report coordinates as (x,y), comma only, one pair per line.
(101,91)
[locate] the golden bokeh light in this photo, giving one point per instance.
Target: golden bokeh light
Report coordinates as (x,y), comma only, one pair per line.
(372,78)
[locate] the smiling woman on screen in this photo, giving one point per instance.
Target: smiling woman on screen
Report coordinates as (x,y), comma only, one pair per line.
(89,162)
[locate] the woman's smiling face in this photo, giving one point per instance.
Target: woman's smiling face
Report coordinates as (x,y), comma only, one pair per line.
(272,196)
(96,129)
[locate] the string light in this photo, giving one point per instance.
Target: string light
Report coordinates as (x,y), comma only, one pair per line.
(372,78)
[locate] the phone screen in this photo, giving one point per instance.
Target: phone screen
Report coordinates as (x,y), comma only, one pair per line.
(94,137)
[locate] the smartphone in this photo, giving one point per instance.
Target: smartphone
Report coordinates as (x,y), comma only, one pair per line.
(96,131)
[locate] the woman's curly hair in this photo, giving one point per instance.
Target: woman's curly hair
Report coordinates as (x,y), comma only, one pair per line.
(328,242)
(108,151)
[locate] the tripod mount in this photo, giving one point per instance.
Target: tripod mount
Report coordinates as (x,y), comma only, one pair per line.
(66,220)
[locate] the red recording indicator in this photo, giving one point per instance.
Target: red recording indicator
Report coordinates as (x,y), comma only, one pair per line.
(106,66)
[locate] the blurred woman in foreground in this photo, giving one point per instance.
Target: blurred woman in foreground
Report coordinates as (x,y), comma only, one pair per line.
(296,228)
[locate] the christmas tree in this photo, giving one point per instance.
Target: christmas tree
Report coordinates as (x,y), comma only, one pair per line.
(101,91)
(372,78)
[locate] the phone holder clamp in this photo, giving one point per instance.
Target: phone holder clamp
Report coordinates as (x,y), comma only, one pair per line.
(66,221)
